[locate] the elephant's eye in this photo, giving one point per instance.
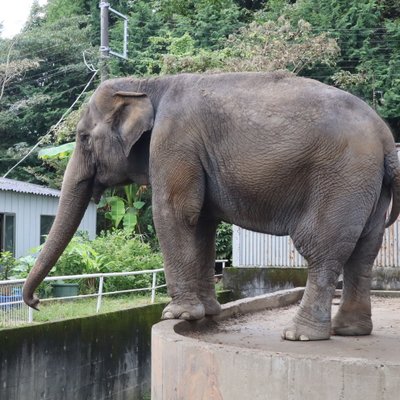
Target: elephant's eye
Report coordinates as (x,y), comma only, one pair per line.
(84,137)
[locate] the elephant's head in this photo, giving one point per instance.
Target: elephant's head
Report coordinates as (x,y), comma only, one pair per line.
(112,148)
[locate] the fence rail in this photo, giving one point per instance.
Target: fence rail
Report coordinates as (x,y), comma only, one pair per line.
(13,310)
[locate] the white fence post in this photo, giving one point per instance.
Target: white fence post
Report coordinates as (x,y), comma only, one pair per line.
(153,287)
(30,315)
(100,294)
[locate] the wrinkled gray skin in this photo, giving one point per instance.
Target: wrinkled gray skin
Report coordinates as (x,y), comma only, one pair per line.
(272,153)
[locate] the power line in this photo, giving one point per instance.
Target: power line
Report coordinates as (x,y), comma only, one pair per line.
(27,54)
(28,78)
(44,76)
(18,112)
(379,28)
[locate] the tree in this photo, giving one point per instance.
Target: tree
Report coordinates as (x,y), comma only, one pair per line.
(279,45)
(11,69)
(251,4)
(144,23)
(155,25)
(209,23)
(267,46)
(48,90)
(367,33)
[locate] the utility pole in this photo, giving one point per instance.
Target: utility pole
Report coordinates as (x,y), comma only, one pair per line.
(104,40)
(105,50)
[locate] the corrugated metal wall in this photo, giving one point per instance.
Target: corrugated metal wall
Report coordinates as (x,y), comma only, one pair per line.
(389,255)
(251,249)
(27,209)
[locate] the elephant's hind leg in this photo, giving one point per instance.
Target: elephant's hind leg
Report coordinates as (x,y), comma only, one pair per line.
(313,319)
(326,246)
(354,315)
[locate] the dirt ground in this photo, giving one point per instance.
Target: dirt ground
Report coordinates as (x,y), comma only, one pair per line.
(262,331)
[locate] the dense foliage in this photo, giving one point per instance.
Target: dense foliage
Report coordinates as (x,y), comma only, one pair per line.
(224,241)
(37,98)
(115,251)
(7,263)
(112,251)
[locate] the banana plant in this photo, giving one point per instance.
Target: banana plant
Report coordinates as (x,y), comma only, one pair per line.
(124,209)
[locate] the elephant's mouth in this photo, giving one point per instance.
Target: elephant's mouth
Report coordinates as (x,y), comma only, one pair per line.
(98,190)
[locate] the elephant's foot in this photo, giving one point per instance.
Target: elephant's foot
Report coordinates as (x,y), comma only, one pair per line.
(304,332)
(211,306)
(351,323)
(189,309)
(206,294)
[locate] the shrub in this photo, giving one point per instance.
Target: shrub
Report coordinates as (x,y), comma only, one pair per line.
(224,241)
(116,251)
(7,262)
(120,252)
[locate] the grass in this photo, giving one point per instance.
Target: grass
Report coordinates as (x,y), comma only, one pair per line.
(65,309)
(57,310)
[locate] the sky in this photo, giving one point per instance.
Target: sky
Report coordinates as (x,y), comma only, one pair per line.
(13,14)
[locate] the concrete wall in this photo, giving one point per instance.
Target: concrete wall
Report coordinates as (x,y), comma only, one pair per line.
(385,278)
(249,282)
(95,358)
(186,366)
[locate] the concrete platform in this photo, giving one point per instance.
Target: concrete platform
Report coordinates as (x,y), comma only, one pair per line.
(240,355)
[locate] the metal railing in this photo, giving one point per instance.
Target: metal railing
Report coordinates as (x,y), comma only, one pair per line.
(13,310)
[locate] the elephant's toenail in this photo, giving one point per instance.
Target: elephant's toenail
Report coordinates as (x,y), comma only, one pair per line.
(168,315)
(185,315)
(290,335)
(304,338)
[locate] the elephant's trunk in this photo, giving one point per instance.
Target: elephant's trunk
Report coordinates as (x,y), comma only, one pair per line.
(75,197)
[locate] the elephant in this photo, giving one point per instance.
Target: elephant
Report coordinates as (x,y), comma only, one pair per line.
(270,152)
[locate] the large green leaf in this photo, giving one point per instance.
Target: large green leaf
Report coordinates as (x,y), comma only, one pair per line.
(117,210)
(130,221)
(138,204)
(60,152)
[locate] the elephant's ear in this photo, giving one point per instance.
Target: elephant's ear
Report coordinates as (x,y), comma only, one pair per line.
(135,115)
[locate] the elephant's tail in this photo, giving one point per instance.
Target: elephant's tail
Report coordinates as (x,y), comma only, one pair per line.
(392,179)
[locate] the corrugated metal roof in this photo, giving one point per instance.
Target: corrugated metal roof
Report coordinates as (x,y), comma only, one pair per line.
(12,185)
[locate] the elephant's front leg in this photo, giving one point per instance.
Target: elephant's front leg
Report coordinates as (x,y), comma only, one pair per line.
(186,243)
(205,233)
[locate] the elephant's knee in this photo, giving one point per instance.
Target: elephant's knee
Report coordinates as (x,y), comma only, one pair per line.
(188,214)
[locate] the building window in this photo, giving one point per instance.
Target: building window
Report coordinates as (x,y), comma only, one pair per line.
(7,233)
(46,221)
